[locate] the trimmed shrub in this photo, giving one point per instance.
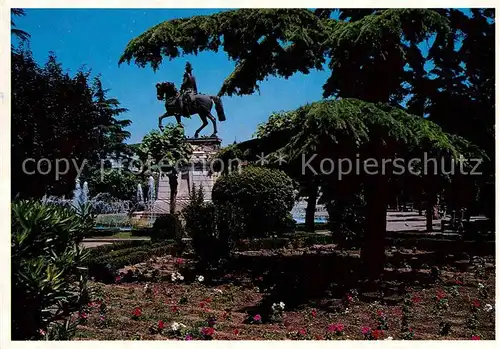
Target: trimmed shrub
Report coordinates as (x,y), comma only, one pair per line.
(106,260)
(49,281)
(167,227)
(200,218)
(253,202)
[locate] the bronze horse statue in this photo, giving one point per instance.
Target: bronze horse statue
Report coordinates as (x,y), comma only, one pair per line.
(200,104)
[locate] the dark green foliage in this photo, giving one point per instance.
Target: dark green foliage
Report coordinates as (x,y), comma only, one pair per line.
(346,220)
(200,217)
(121,185)
(58,116)
(18,33)
(48,278)
(262,42)
(253,202)
(166,227)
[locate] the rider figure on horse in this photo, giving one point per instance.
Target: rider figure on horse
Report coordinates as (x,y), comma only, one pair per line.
(188,90)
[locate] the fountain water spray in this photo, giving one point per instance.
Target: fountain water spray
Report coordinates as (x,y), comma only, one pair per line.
(140,194)
(77,194)
(85,193)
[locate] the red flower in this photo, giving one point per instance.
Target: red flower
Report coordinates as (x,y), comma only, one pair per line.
(208,300)
(376,334)
(302,332)
(236,332)
(476,338)
(202,304)
(83,315)
(179,261)
(476,303)
(137,312)
(207,331)
(257,317)
(174,308)
(349,298)
(314,313)
(161,325)
(440,295)
(416,299)
(318,337)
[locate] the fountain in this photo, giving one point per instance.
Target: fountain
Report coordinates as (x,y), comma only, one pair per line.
(140,194)
(85,193)
(77,194)
(151,193)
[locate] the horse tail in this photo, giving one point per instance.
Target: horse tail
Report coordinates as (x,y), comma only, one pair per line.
(219,108)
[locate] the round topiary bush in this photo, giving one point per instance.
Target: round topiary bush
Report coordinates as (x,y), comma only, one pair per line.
(253,202)
(166,227)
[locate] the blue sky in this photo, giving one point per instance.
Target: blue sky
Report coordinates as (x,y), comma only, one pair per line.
(97,38)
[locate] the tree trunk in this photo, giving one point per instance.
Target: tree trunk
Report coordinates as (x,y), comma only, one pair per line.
(312,193)
(429,211)
(373,246)
(173,183)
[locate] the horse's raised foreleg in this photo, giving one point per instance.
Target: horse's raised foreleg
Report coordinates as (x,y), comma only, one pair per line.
(205,123)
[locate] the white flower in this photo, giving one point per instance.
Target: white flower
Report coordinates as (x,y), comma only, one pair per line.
(218,291)
(200,278)
(488,308)
(175,326)
(282,305)
(480,286)
(176,276)
(146,287)
(389,338)
(346,311)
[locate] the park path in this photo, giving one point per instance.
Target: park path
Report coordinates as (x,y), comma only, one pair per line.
(396,222)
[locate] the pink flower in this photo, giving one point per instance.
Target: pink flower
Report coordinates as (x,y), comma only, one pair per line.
(314,313)
(236,332)
(336,328)
(83,315)
(257,317)
(161,325)
(302,332)
(179,261)
(188,338)
(365,330)
(42,332)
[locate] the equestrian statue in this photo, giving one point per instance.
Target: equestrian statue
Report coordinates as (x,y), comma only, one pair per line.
(187,102)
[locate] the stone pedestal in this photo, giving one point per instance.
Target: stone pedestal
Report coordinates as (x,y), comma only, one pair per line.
(197,172)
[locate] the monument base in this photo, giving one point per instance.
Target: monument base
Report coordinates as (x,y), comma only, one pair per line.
(196,173)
